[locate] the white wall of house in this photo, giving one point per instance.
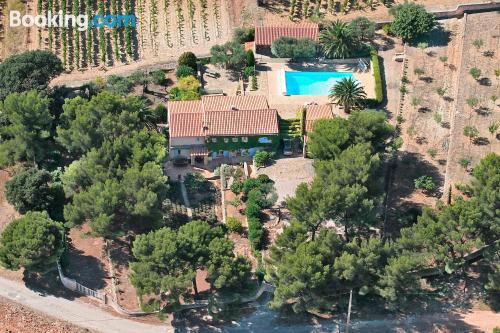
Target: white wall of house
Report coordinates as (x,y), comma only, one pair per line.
(187,141)
(181,146)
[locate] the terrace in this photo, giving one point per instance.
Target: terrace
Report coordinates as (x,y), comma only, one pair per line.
(271,82)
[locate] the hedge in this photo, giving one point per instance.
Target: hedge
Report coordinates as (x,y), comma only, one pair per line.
(379,92)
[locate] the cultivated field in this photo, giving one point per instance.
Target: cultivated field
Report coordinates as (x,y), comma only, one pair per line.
(475,105)
(441,100)
(278,12)
(165,28)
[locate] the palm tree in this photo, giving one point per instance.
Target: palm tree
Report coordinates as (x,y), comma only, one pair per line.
(337,40)
(347,93)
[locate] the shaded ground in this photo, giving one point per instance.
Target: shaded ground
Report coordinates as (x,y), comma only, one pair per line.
(121,256)
(86,260)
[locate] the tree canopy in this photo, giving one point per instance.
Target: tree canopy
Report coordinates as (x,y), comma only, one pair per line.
(35,190)
(25,134)
(230,55)
(411,21)
(167,260)
(288,47)
(338,40)
(347,93)
(33,241)
(308,277)
(30,70)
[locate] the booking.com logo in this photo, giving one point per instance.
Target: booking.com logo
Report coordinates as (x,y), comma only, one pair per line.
(80,22)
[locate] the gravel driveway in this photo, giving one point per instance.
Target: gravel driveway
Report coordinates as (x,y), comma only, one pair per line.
(288,173)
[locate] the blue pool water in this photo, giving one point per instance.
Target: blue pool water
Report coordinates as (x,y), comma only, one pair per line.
(312,83)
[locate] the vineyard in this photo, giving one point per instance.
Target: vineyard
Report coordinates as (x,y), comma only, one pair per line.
(164,29)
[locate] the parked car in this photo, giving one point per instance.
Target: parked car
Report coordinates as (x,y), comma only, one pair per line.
(287,147)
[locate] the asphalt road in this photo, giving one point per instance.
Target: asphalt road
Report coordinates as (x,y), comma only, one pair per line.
(77,313)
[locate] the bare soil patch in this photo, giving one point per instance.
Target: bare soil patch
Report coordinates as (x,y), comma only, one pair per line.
(484,27)
(7,211)
(276,12)
(16,318)
(86,260)
(425,122)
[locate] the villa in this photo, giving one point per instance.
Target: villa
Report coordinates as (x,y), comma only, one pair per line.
(218,127)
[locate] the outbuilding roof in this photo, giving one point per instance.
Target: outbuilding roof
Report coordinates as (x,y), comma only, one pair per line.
(266,35)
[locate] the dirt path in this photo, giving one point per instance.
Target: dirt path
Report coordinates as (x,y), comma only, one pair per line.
(74,312)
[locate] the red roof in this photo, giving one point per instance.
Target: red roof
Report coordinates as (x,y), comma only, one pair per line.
(241,122)
(222,115)
(267,35)
(315,112)
(226,103)
(185,124)
(184,106)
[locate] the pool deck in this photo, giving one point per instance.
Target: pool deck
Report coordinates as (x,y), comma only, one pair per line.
(287,106)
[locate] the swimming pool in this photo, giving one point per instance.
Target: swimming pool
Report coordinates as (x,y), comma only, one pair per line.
(312,83)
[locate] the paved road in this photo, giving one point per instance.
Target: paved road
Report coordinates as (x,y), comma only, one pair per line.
(77,313)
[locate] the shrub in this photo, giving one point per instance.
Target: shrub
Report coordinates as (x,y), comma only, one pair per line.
(411,21)
(237,187)
(234,225)
(424,183)
(257,197)
(475,73)
(118,85)
(183,71)
(243,35)
(379,92)
(387,29)
(188,59)
(255,85)
(160,113)
(264,179)
(252,210)
(187,88)
(195,182)
(158,77)
(138,77)
(249,71)
(263,158)
(464,162)
(288,47)
(250,59)
(255,232)
(249,185)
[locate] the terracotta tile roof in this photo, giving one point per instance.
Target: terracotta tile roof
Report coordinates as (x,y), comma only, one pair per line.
(241,122)
(267,34)
(315,112)
(184,124)
(184,106)
(226,103)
